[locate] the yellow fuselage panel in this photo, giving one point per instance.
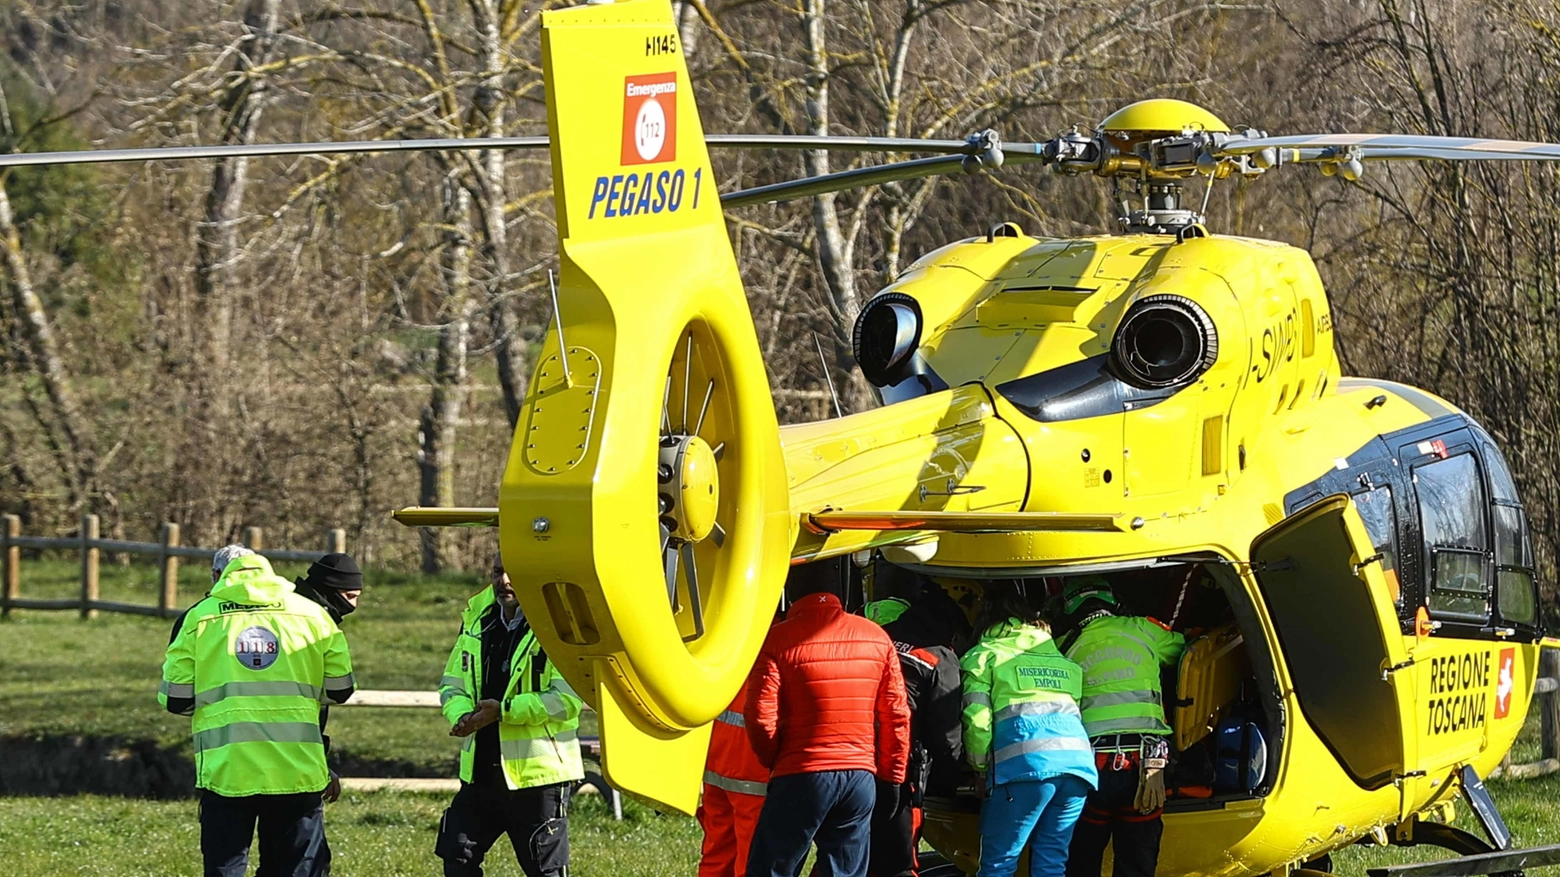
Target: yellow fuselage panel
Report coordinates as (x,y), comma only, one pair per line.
(1206,469)
(994,313)
(918,455)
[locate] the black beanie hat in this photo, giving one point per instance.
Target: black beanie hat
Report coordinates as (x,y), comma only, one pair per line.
(336,572)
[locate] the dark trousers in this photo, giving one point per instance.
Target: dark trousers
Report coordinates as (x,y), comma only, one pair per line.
(832,808)
(1108,815)
(536,820)
(896,832)
(292,835)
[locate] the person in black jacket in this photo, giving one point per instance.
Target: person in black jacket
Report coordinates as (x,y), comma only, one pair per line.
(924,636)
(335,582)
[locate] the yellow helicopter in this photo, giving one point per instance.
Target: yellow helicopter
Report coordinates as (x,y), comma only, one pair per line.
(1162,407)
(1151,406)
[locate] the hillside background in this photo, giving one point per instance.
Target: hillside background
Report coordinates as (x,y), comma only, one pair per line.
(307,342)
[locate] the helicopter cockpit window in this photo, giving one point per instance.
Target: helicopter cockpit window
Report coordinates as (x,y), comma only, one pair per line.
(1375,508)
(1518,604)
(1501,485)
(1514,595)
(1451,517)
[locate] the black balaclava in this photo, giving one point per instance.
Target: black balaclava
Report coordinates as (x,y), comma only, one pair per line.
(325,581)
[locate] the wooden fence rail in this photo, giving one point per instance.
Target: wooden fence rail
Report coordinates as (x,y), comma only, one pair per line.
(167,551)
(1546,697)
(430,699)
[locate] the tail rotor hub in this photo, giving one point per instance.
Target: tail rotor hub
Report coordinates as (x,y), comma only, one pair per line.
(689,491)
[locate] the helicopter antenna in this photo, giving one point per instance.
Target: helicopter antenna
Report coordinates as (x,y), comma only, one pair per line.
(563,350)
(823,364)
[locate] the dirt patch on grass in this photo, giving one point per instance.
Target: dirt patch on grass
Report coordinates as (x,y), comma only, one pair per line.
(88,765)
(77,765)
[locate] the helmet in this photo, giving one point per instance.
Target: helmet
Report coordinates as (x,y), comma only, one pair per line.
(1082,589)
(963,592)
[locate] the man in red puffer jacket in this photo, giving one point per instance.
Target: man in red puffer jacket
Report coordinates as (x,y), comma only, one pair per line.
(826,713)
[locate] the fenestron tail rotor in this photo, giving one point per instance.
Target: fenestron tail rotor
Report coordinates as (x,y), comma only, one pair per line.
(644,511)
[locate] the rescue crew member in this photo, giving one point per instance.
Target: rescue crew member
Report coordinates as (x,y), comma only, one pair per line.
(923,627)
(1022,729)
(518,720)
(335,582)
(826,713)
(734,785)
(1124,715)
(251,663)
(219,561)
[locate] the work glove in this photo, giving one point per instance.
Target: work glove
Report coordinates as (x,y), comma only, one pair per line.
(888,795)
(1153,759)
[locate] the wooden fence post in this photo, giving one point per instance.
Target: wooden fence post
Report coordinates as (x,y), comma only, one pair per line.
(1549,666)
(10,563)
(336,541)
(89,565)
(168,563)
(254,539)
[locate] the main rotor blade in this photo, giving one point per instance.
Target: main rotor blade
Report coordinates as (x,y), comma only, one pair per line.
(859,177)
(180,153)
(1383,146)
(848,144)
(237,150)
(1434,154)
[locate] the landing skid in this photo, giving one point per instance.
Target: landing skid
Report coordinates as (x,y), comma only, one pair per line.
(1475,855)
(1500,862)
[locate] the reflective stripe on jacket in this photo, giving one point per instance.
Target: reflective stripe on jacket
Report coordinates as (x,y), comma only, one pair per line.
(1021,717)
(257,660)
(732,764)
(538,730)
(1121,659)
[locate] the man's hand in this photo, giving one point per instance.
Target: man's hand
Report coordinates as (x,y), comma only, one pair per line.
(333,790)
(486,713)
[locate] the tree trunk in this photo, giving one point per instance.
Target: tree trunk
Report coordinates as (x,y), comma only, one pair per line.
(687,17)
(437,425)
(11,460)
(217,247)
(71,439)
(836,249)
(509,346)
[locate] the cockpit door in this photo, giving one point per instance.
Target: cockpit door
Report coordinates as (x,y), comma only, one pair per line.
(1321,579)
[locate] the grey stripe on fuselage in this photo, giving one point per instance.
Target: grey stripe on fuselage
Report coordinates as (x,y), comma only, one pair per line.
(1430,405)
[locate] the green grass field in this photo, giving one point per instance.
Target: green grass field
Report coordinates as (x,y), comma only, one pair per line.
(62,678)
(377,834)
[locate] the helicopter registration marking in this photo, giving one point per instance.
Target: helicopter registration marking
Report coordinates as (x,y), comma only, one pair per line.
(1459,688)
(1278,345)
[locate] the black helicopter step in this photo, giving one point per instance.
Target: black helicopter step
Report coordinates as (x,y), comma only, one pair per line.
(1476,856)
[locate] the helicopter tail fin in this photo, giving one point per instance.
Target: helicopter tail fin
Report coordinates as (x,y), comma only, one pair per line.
(644,516)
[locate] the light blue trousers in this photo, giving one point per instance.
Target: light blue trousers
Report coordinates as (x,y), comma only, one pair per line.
(1041,814)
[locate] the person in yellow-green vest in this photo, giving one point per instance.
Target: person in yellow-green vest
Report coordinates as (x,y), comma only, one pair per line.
(252,662)
(1124,714)
(518,720)
(1022,729)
